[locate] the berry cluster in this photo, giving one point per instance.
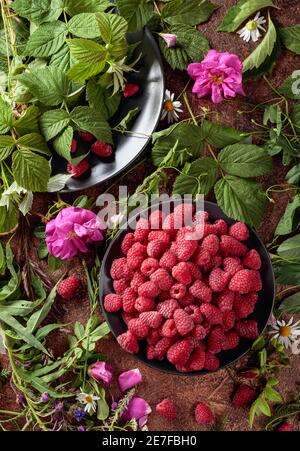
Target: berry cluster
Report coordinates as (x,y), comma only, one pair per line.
(188,298)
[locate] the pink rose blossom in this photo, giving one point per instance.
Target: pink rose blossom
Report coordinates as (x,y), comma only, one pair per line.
(218,75)
(170,39)
(139,409)
(101,372)
(71,231)
(129,379)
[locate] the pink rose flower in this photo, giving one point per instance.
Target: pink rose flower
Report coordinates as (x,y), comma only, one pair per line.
(71,231)
(170,39)
(129,379)
(101,372)
(218,75)
(139,409)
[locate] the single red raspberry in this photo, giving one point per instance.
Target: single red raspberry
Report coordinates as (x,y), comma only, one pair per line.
(178,291)
(200,217)
(201,291)
(182,273)
(137,249)
(185,249)
(228,320)
(167,308)
(199,332)
(156,248)
(169,329)
(245,281)
(120,285)
(240,231)
(196,360)
(151,354)
(285,426)
(215,262)
(167,409)
(79,170)
(231,246)
(168,260)
(185,211)
(127,243)
(169,223)
(243,396)
(144,304)
(195,313)
(187,299)
(134,261)
(243,306)
(130,90)
(252,260)
(209,229)
(232,265)
(203,414)
(252,373)
(156,219)
(73,146)
(68,287)
(211,313)
(119,269)
(152,319)
(141,230)
(179,352)
(215,340)
(162,279)
(137,280)
(183,322)
(162,347)
(126,317)
(247,329)
(194,270)
(201,257)
(159,235)
(212,362)
(102,149)
(231,341)
(149,290)
(129,342)
(138,328)
(153,336)
(128,299)
(112,303)
(88,137)
(211,244)
(149,266)
(221,227)
(218,279)
(225,300)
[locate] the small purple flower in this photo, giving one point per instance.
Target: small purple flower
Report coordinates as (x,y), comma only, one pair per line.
(169,38)
(129,379)
(79,414)
(81,428)
(20,399)
(45,397)
(59,407)
(101,372)
(114,405)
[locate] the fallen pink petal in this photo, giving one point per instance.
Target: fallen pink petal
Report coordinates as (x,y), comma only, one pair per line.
(101,372)
(129,379)
(137,409)
(169,38)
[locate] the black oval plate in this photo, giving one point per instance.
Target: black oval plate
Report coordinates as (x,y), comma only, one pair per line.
(149,100)
(261,314)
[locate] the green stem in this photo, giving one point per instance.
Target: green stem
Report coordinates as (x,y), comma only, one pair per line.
(185,97)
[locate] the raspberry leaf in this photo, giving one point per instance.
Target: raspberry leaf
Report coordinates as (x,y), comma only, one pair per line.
(84,25)
(291,86)
(291,218)
(30,170)
(6,116)
(219,136)
(291,38)
(191,13)
(291,304)
(245,160)
(136,12)
(92,121)
(290,249)
(38,11)
(52,122)
(197,177)
(46,40)
(85,6)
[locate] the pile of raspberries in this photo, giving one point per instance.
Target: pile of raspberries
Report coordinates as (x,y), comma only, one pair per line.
(189,299)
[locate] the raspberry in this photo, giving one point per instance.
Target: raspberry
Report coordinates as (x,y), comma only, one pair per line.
(246,280)
(148,289)
(243,396)
(252,260)
(68,287)
(141,230)
(187,299)
(149,266)
(153,336)
(119,269)
(214,262)
(247,329)
(126,317)
(182,273)
(167,409)
(240,231)
(120,285)
(182,368)
(203,414)
(285,426)
(169,329)
(128,299)
(156,248)
(179,352)
(112,303)
(167,308)
(178,291)
(231,246)
(79,170)
(185,249)
(232,265)
(250,374)
(129,342)
(137,249)
(144,304)
(194,270)
(201,291)
(73,146)
(243,306)
(169,223)
(231,341)
(225,300)
(156,219)
(196,360)
(215,340)
(212,362)
(137,280)
(201,217)
(130,90)
(228,320)
(152,319)
(211,244)
(102,149)
(202,257)
(134,261)
(162,347)
(159,235)
(184,211)
(218,279)
(88,137)
(162,279)
(127,242)
(183,322)
(168,260)
(209,229)
(138,328)
(195,314)
(199,332)
(221,227)
(211,313)
(151,354)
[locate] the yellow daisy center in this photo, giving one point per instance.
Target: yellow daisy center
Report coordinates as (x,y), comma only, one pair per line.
(285,331)
(218,79)
(89,399)
(251,25)
(168,106)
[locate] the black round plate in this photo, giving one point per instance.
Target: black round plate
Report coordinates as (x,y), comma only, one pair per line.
(149,100)
(262,312)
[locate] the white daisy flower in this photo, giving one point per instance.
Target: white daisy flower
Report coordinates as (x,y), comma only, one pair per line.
(251,29)
(171,108)
(89,400)
(286,333)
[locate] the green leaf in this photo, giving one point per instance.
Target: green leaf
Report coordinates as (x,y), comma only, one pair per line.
(199,177)
(238,13)
(7,145)
(8,218)
(53,122)
(57,182)
(293,176)
(92,121)
(193,12)
(291,218)
(287,273)
(220,136)
(35,142)
(245,160)
(295,115)
(28,122)
(30,170)
(241,199)
(84,25)
(38,317)
(97,95)
(38,11)
(49,85)
(62,144)
(125,123)
(62,59)
(113,28)
(264,406)
(253,412)
(259,343)
(47,39)
(291,86)
(6,117)
(42,250)
(73,7)
(291,38)
(291,304)
(272,394)
(136,12)
(290,248)
(87,51)
(54,263)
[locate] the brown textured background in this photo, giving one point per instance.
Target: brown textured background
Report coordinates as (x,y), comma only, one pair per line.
(187,391)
